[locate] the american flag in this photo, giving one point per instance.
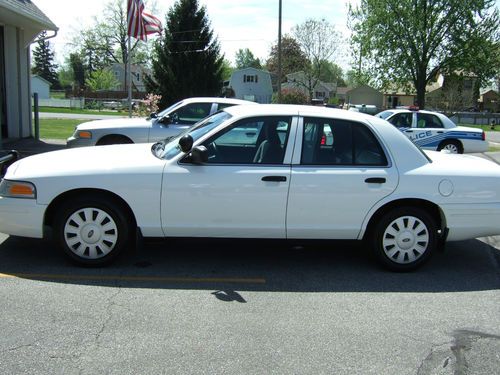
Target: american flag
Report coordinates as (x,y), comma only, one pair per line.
(140,23)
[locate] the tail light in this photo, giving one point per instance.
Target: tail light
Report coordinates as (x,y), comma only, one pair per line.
(484,136)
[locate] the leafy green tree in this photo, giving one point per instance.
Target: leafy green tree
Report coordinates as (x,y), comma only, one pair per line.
(246,59)
(331,72)
(292,58)
(187,61)
(76,64)
(43,61)
(227,70)
(411,41)
(102,79)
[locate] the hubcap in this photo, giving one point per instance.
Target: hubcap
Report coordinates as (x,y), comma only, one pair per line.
(405,239)
(90,233)
(452,148)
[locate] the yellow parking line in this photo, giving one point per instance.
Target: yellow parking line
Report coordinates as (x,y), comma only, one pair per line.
(49,276)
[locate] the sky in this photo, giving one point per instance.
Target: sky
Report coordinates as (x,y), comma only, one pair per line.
(251,24)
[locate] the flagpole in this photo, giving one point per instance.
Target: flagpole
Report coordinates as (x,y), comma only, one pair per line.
(129,58)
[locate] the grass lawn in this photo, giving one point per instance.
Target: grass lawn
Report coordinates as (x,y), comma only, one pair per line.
(80,111)
(51,128)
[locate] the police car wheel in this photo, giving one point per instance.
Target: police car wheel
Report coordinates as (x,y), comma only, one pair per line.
(452,146)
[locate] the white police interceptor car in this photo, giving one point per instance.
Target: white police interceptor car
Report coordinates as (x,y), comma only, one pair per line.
(435,131)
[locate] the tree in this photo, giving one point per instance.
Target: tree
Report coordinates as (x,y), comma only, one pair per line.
(246,59)
(292,58)
(227,70)
(319,40)
(408,42)
(43,61)
(187,60)
(102,79)
(331,72)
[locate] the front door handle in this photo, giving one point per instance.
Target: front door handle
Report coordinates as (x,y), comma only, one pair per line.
(375,180)
(274,178)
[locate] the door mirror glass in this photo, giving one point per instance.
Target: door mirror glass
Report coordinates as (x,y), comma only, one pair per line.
(199,155)
(186,143)
(165,120)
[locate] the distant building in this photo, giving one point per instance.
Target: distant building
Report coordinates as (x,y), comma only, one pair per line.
(251,84)
(20,24)
(322,91)
(489,101)
(365,94)
(41,86)
(138,74)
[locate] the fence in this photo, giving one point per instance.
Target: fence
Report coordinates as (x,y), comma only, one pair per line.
(78,103)
(475,118)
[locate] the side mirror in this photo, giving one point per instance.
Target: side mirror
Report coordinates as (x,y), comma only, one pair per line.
(186,143)
(153,115)
(199,155)
(165,120)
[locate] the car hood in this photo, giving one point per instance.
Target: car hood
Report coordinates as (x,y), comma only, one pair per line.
(97,160)
(462,164)
(120,122)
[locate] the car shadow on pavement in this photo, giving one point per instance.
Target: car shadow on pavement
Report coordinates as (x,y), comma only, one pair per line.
(230,265)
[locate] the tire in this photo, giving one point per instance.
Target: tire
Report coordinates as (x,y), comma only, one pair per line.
(92,231)
(113,140)
(404,239)
(453,146)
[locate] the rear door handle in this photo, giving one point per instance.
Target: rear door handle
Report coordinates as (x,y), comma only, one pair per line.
(408,131)
(375,180)
(274,178)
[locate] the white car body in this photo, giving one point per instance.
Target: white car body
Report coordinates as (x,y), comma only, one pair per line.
(434,131)
(167,123)
(171,196)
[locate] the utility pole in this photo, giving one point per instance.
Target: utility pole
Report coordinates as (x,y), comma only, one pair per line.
(279,53)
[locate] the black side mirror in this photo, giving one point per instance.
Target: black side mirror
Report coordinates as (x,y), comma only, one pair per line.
(186,143)
(166,120)
(199,155)
(153,115)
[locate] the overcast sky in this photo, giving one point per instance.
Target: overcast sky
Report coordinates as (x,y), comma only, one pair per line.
(238,24)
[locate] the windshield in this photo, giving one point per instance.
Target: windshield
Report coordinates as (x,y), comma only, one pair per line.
(169,148)
(385,114)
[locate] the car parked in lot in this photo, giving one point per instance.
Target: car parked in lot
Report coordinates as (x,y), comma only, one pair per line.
(263,171)
(167,123)
(435,131)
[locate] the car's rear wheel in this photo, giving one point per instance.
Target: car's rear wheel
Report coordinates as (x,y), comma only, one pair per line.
(114,140)
(405,238)
(92,231)
(453,146)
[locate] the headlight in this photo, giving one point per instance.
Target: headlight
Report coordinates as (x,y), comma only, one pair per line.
(17,189)
(83,134)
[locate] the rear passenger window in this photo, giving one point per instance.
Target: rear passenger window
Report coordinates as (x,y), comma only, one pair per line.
(339,142)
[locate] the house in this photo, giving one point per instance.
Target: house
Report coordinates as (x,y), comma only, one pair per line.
(20,24)
(452,92)
(252,84)
(322,91)
(365,94)
(489,101)
(41,86)
(138,74)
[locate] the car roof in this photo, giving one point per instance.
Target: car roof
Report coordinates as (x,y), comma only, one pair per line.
(404,110)
(294,110)
(207,99)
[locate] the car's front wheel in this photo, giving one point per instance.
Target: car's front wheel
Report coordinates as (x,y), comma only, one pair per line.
(405,238)
(91,231)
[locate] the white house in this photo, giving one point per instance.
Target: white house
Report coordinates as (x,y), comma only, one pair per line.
(138,73)
(20,24)
(252,84)
(40,86)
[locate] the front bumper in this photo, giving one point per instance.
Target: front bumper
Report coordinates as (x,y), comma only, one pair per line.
(79,142)
(21,217)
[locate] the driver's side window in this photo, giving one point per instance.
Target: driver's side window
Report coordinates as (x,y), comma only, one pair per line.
(256,140)
(190,113)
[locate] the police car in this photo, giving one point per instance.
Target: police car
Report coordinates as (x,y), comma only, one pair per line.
(435,131)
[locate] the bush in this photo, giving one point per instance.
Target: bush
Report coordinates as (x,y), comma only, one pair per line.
(291,96)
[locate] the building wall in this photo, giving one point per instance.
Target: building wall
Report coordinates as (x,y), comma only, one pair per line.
(41,87)
(252,84)
(365,95)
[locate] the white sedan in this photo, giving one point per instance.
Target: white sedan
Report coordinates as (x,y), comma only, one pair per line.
(263,171)
(434,131)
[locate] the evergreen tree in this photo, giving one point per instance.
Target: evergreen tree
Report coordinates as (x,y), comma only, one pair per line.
(43,62)
(187,60)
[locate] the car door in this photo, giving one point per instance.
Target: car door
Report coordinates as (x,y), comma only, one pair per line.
(340,170)
(429,130)
(241,191)
(180,119)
